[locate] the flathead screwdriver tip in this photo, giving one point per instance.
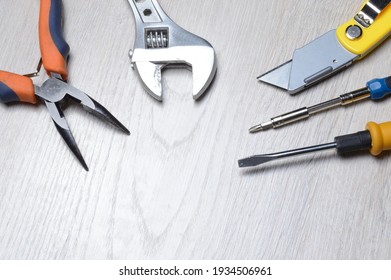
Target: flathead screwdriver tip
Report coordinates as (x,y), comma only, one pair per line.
(255,160)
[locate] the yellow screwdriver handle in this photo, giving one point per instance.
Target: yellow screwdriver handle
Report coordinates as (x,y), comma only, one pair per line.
(371,36)
(381,137)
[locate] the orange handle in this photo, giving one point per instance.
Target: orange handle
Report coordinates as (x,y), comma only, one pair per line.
(14,88)
(54,48)
(381,137)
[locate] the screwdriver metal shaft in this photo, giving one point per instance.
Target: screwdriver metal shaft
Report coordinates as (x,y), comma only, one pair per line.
(260,159)
(306,112)
(376,89)
(376,138)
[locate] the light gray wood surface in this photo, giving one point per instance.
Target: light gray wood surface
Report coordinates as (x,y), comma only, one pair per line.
(173,189)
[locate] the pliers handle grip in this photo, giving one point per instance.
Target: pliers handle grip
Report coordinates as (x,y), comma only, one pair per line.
(14,88)
(54,51)
(54,48)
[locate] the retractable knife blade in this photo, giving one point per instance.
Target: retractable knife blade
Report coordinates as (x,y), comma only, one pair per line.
(334,51)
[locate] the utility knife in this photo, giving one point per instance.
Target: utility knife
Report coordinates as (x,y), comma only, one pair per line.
(335,50)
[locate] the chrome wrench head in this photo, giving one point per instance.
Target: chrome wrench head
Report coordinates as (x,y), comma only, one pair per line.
(161,43)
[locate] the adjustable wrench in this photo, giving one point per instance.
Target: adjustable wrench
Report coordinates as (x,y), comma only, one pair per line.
(160,43)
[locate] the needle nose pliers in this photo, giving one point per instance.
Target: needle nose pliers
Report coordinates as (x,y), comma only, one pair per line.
(54,51)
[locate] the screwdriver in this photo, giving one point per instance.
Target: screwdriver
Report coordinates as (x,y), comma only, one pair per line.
(376,89)
(376,138)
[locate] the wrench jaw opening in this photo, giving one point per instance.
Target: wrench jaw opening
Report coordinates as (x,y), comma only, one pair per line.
(204,69)
(150,75)
(149,63)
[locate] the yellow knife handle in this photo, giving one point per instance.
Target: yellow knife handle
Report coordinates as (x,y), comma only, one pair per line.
(371,36)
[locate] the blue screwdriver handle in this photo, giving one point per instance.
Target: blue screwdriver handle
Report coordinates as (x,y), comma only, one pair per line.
(379,88)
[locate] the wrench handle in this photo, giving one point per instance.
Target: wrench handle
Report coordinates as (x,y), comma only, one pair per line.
(148,11)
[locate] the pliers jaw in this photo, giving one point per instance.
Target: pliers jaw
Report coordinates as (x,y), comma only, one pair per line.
(63,129)
(54,92)
(161,43)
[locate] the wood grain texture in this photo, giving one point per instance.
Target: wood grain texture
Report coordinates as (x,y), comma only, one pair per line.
(173,190)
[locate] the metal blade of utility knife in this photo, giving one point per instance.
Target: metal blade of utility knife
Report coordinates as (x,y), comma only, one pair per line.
(311,64)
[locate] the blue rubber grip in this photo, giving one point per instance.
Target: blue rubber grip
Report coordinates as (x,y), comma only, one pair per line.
(379,88)
(7,95)
(55,23)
